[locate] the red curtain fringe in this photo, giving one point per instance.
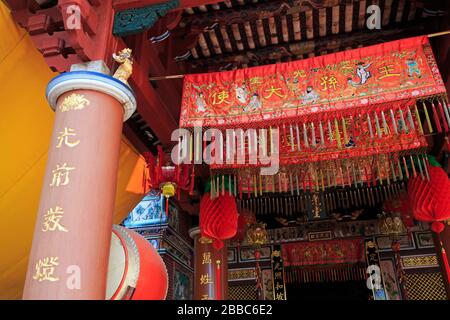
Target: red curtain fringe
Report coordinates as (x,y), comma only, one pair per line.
(327,115)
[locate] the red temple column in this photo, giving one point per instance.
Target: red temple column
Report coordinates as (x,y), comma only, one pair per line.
(210,269)
(70,251)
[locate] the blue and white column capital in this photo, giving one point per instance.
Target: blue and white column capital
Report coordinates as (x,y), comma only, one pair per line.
(96,81)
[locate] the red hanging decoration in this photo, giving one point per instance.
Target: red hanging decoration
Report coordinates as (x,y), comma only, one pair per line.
(431,203)
(438,227)
(218,218)
(167,177)
(218,281)
(430,200)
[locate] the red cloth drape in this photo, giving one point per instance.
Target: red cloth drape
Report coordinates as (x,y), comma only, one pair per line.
(393,73)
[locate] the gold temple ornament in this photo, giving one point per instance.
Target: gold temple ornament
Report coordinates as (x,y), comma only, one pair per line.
(257,234)
(74,102)
(125,69)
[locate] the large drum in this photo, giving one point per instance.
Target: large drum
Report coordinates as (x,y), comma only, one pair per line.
(136,270)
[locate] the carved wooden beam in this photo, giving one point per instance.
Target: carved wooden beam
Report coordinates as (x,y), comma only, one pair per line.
(295,50)
(256,11)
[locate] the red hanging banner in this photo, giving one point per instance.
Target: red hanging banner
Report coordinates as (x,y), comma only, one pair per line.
(301,254)
(396,74)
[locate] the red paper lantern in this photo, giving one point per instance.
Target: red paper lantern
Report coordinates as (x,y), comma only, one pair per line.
(431,203)
(218,218)
(136,270)
(429,199)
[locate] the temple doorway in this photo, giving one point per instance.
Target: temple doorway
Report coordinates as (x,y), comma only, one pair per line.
(348,290)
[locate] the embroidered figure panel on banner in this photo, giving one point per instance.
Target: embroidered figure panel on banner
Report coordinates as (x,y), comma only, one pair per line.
(399,71)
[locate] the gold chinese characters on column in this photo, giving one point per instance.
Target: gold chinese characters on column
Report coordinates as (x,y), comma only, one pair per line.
(279,286)
(205,279)
(52,219)
(206,258)
(61,175)
(45,269)
(64,137)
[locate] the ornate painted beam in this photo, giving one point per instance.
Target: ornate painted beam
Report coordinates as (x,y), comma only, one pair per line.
(132,17)
(137,20)
(128,4)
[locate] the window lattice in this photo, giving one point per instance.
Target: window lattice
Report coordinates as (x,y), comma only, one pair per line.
(425,286)
(242,292)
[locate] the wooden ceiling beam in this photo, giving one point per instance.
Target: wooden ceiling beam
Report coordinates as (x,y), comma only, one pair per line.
(255,11)
(292,50)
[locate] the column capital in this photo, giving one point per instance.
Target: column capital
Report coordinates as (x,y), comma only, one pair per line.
(194,231)
(90,80)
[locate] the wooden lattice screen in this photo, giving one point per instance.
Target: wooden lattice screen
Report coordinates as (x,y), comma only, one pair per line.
(242,292)
(425,286)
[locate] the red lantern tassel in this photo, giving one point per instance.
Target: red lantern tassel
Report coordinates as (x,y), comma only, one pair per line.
(438,227)
(446,265)
(218,281)
(441,110)
(167,206)
(436,118)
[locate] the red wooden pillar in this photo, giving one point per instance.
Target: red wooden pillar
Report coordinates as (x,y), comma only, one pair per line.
(70,251)
(210,269)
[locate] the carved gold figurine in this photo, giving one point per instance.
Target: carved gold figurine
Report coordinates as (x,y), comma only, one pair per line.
(125,69)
